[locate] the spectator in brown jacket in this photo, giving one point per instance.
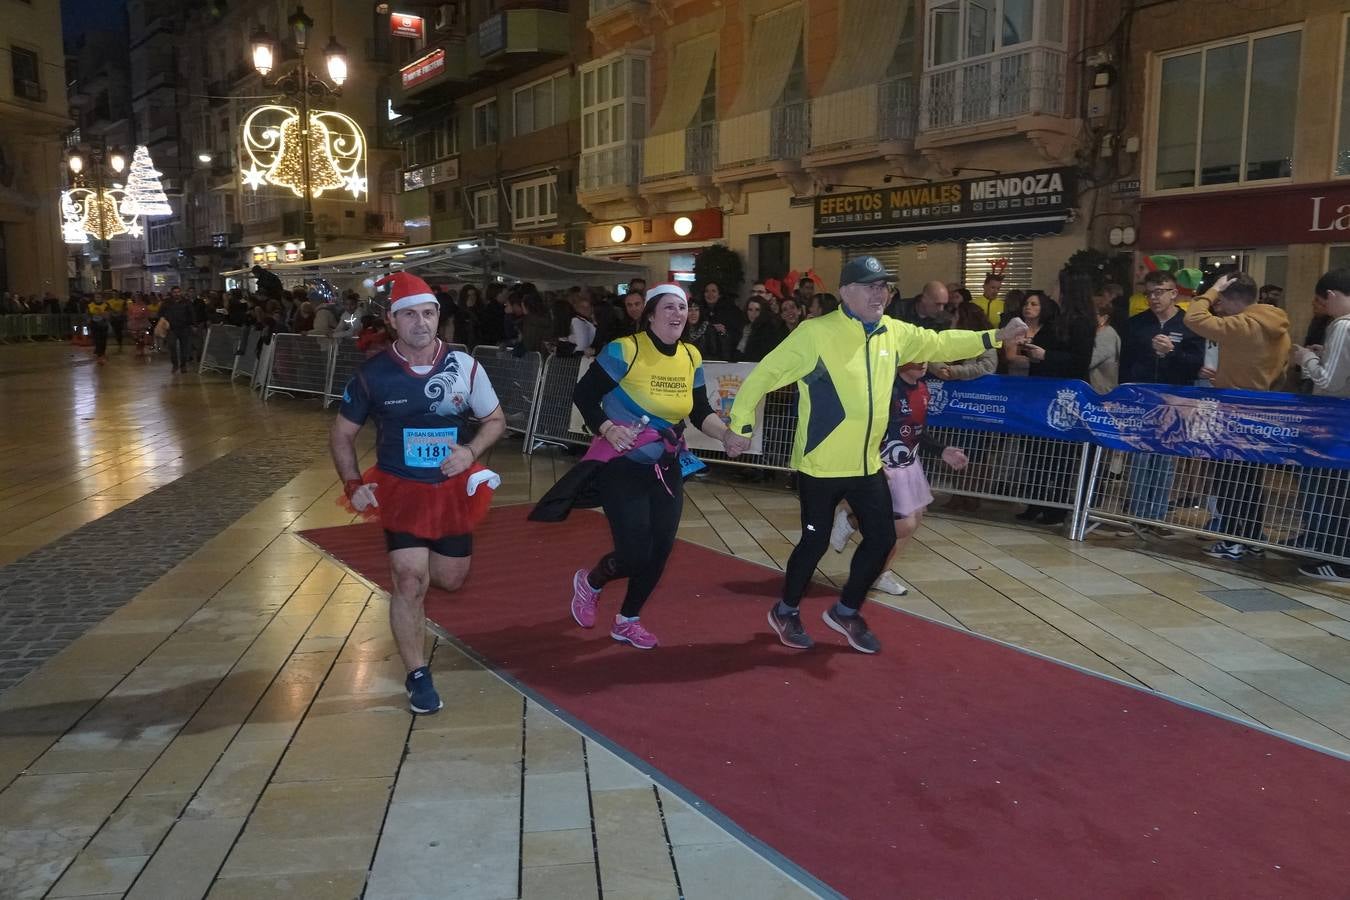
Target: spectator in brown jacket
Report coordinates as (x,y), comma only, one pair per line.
(1254,345)
(1253,337)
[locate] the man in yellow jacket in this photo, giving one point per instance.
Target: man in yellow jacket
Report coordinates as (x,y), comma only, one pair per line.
(845,362)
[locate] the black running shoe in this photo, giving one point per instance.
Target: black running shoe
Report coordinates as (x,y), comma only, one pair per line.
(789,629)
(422,696)
(853,627)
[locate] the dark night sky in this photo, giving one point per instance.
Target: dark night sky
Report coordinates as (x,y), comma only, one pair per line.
(77,16)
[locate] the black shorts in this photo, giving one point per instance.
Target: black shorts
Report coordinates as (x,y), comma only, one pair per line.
(455,545)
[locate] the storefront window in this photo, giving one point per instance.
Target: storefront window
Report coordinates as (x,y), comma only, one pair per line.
(1225,114)
(1338,257)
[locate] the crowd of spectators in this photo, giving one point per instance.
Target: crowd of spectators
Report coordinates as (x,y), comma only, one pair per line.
(1234,335)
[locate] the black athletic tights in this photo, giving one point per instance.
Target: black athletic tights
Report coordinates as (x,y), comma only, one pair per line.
(870,499)
(643,517)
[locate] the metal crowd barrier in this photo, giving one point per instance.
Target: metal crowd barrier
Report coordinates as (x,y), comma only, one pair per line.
(299,365)
(220,348)
(553,411)
(1012,468)
(346,359)
(262,370)
(1291,509)
(246,360)
(516,381)
(34,326)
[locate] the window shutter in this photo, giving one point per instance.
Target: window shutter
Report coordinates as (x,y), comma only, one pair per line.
(978,257)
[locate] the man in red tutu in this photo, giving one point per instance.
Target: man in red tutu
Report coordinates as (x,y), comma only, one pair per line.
(435,415)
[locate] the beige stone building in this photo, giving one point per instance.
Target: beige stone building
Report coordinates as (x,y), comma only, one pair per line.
(1244,126)
(33,124)
(937,135)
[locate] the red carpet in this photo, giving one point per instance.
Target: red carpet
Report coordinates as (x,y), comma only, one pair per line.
(946,766)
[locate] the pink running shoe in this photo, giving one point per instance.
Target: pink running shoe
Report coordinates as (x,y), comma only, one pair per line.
(633,633)
(583,599)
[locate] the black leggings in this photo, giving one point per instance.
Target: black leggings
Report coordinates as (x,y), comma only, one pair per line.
(870,498)
(643,517)
(98,330)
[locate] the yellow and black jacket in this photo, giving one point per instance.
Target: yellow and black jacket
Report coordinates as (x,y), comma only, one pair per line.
(846,375)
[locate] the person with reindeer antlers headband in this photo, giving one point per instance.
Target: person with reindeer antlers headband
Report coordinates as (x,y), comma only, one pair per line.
(989,301)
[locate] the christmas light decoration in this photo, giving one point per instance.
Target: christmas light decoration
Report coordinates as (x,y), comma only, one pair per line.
(145,193)
(289,169)
(100,215)
(273,147)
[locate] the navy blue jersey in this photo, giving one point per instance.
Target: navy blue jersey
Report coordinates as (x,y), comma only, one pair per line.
(909,421)
(418,416)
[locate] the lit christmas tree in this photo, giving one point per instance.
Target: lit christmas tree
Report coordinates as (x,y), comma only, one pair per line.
(145,195)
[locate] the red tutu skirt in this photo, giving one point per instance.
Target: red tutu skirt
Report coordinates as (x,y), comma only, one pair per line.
(430,511)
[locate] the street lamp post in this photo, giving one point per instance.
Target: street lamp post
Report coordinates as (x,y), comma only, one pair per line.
(100,159)
(299,84)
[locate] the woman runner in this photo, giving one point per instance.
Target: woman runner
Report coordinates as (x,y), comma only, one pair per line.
(636,397)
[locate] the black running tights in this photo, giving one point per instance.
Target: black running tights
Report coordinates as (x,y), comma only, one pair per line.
(870,499)
(643,517)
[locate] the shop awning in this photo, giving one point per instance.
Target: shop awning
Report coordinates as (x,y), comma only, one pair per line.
(463,261)
(1000,230)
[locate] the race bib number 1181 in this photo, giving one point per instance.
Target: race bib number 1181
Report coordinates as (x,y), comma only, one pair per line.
(427,448)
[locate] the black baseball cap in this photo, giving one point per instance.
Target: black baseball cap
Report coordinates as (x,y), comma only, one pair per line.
(864,270)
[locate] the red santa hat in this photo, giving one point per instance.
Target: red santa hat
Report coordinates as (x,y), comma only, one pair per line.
(406,289)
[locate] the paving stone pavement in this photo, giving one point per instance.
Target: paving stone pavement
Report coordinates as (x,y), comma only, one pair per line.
(56,593)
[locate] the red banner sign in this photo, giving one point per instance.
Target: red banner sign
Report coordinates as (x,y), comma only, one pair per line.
(1262,217)
(404,25)
(421,70)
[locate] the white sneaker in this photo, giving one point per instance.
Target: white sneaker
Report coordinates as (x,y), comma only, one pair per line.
(840,531)
(890,584)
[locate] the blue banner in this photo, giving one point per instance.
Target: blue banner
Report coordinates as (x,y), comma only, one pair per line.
(1240,426)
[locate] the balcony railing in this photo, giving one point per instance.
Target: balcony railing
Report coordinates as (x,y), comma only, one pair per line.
(864,115)
(783,132)
(692,151)
(1014,83)
(611,167)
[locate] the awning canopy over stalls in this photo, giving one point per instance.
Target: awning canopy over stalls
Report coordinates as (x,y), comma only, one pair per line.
(470,261)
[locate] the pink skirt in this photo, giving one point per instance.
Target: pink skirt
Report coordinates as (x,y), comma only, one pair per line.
(909,489)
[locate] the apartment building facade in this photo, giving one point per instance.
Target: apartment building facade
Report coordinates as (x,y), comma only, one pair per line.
(1245,130)
(34,121)
(935,135)
(486,105)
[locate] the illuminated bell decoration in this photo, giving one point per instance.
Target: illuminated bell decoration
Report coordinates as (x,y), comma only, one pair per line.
(99,215)
(103,218)
(289,170)
(272,151)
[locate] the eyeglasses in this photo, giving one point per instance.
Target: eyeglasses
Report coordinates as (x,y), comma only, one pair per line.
(1159,293)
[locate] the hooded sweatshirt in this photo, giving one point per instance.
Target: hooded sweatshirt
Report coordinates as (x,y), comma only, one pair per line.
(1253,344)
